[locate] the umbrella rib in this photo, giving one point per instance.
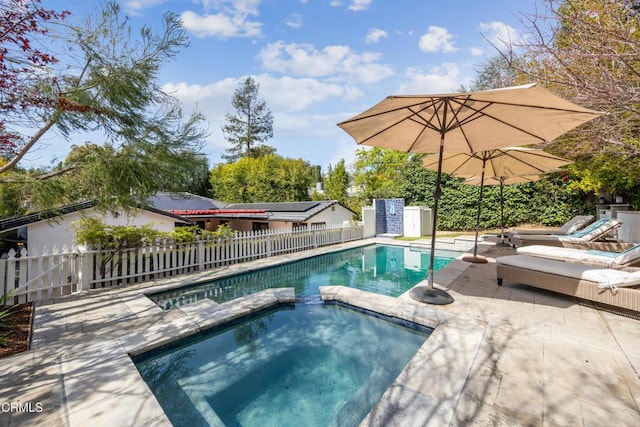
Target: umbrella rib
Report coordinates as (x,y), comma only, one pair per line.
(479,113)
(436,103)
(425,123)
(540,107)
(540,154)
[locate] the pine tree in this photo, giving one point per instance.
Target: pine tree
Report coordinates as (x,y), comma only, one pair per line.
(250,126)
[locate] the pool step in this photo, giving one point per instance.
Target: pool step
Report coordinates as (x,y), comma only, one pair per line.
(309,299)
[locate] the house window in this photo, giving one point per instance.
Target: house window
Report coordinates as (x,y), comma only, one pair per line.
(260,226)
(299,226)
(317,225)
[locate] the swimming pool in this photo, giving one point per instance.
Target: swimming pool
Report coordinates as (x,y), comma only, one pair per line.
(302,364)
(383,269)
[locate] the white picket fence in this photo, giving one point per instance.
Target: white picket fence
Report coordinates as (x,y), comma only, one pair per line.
(38,275)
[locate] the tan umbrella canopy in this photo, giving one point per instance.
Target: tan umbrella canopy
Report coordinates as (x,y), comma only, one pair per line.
(502,180)
(499,162)
(496,164)
(465,122)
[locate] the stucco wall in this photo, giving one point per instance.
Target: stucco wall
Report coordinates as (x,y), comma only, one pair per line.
(59,232)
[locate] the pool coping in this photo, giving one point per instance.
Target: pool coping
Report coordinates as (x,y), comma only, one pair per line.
(413,396)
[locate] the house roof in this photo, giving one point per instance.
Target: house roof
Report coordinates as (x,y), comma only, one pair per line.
(184,202)
(12,223)
(283,211)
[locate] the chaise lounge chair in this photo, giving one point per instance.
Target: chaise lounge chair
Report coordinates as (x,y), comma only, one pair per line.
(588,237)
(569,227)
(602,285)
(627,260)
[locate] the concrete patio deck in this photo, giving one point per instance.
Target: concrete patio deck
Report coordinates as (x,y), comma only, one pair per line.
(510,355)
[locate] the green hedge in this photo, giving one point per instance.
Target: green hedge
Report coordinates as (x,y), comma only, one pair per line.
(545,202)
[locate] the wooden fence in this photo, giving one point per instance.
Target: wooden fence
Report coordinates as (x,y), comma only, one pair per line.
(38,275)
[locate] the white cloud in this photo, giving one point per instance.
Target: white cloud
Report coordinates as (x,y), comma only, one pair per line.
(288,99)
(283,95)
(287,94)
(136,6)
(337,62)
(294,21)
(358,5)
(437,39)
(375,35)
(445,78)
(231,19)
(499,34)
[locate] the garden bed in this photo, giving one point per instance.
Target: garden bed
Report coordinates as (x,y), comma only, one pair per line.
(16,330)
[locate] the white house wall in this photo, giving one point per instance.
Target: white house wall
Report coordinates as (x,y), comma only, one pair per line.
(59,232)
(329,217)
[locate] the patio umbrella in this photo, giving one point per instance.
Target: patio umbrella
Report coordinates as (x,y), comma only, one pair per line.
(502,181)
(497,163)
(464,122)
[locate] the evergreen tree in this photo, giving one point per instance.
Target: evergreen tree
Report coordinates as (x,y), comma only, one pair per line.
(250,126)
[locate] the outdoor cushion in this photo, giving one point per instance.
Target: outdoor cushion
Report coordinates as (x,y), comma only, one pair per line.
(630,256)
(603,277)
(569,227)
(594,229)
(590,233)
(575,224)
(607,278)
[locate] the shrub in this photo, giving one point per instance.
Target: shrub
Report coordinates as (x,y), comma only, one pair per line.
(5,311)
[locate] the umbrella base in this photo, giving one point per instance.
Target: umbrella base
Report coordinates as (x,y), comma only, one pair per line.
(475,259)
(430,296)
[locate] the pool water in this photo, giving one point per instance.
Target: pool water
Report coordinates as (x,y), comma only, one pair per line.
(383,269)
(303,364)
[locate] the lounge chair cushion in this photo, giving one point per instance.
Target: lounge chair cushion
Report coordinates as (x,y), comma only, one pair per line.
(629,257)
(612,278)
(604,277)
(595,229)
(590,233)
(575,224)
(569,227)
(568,254)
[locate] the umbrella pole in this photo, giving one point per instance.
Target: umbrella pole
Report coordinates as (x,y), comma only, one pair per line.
(475,258)
(501,242)
(429,294)
(436,200)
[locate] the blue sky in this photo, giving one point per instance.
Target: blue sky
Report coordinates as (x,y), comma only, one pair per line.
(319,62)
